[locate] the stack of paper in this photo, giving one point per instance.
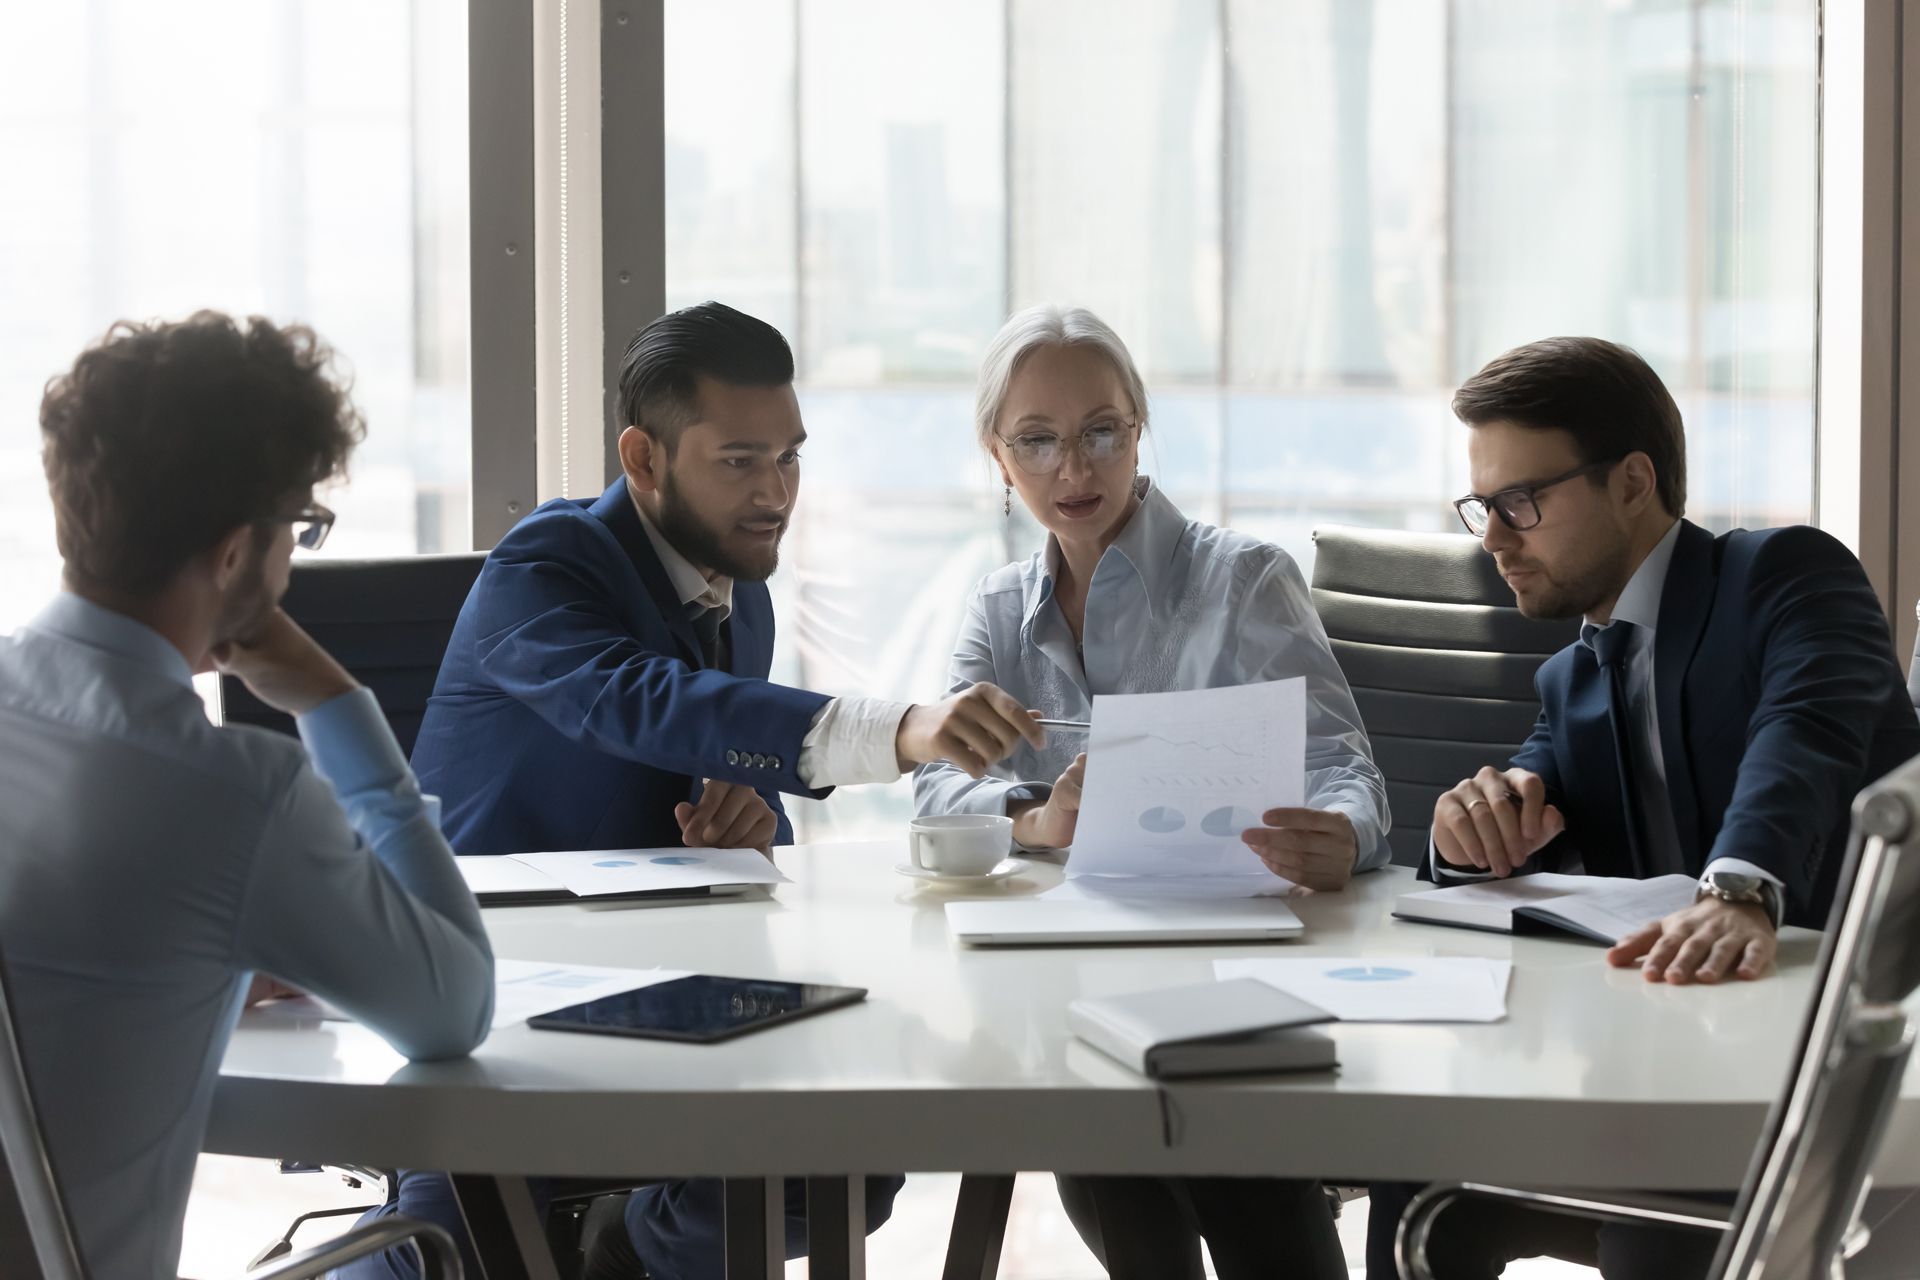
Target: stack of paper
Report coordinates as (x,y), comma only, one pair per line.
(1394,989)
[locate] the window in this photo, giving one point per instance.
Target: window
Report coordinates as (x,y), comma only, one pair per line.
(301,161)
(1310,219)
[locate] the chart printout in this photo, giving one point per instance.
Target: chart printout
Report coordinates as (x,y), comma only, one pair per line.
(1174,778)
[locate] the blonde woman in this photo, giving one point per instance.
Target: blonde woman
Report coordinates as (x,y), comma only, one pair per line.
(1130,596)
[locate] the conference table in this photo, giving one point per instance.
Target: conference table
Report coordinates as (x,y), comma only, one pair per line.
(960,1060)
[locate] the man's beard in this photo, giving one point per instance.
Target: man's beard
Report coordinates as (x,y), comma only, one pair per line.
(704,545)
(1576,597)
(247,607)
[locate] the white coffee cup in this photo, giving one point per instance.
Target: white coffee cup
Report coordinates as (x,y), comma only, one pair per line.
(959,844)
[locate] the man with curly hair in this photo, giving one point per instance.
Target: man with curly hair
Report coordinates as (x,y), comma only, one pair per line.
(153,864)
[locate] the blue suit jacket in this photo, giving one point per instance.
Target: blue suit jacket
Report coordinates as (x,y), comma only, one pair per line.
(572,710)
(1778,698)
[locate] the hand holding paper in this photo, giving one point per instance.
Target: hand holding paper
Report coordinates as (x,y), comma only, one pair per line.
(1175,780)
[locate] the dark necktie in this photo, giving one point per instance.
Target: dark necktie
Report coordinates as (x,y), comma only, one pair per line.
(706,626)
(1611,646)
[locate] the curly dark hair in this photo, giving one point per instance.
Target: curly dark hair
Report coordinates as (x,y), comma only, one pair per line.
(164,437)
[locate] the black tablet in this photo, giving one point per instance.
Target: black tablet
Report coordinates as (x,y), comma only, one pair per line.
(700,1008)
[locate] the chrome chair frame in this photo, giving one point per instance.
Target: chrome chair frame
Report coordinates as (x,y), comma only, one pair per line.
(1798,1214)
(37,1240)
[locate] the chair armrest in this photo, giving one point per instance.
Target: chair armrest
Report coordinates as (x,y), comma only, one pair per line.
(1410,1242)
(439,1257)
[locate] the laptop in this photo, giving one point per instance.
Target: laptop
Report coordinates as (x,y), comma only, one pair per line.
(1069,921)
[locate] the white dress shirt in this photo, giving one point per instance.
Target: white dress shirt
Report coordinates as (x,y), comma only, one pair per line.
(151,861)
(851,741)
(1639,604)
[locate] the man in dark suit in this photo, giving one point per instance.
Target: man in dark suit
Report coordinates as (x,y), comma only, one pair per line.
(1725,701)
(606,687)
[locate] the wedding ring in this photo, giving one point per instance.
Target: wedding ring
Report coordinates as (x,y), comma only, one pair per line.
(1478,800)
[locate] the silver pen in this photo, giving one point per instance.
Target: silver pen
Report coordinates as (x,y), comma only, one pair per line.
(1072,726)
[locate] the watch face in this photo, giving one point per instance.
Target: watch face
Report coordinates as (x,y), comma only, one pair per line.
(1733,882)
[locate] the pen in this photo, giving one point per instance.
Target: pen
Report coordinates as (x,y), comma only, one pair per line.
(1072,726)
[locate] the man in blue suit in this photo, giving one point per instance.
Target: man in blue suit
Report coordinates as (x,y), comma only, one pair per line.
(1727,698)
(606,687)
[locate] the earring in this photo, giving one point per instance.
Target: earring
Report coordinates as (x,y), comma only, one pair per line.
(1007,508)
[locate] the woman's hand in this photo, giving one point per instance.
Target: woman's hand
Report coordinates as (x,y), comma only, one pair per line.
(1050,825)
(1315,848)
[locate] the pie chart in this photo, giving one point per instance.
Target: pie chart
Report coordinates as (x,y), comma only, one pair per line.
(1162,821)
(1228,821)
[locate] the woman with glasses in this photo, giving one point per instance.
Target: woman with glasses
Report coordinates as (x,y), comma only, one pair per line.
(1130,596)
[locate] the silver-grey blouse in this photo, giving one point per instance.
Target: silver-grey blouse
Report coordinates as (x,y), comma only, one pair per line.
(1174,604)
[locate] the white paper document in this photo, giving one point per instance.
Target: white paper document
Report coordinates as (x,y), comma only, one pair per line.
(528,988)
(1393,989)
(522,989)
(1174,778)
(603,871)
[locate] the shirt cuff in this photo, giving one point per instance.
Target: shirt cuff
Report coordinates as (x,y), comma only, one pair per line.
(852,742)
(1740,866)
(351,744)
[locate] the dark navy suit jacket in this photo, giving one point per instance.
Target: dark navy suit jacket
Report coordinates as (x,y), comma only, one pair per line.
(572,710)
(1778,698)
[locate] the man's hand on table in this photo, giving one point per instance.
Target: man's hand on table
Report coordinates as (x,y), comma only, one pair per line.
(1494,821)
(730,815)
(1314,848)
(1707,942)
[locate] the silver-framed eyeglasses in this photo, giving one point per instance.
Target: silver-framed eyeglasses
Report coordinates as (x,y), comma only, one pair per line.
(1041,453)
(311,524)
(1517,506)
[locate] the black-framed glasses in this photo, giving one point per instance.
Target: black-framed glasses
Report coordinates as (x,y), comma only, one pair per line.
(1041,453)
(311,524)
(1518,506)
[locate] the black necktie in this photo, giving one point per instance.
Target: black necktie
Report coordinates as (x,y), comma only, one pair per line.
(706,626)
(1610,646)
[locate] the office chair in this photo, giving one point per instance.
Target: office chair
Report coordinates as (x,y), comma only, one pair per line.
(1440,660)
(1798,1213)
(386,621)
(37,1241)
(1913,671)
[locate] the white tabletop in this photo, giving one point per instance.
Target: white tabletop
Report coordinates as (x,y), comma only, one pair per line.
(960,1060)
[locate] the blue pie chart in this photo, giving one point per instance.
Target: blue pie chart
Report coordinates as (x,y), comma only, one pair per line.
(1162,821)
(670,860)
(617,862)
(1369,973)
(1228,821)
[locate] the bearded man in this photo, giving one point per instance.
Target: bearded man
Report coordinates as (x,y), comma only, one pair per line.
(605,688)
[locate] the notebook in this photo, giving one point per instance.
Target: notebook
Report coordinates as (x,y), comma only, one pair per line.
(1050,920)
(1598,908)
(1208,1028)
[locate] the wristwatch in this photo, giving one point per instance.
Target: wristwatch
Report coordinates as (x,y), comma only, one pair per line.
(1739,887)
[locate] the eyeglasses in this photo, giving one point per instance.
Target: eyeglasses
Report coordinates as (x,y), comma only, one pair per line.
(1518,507)
(1041,453)
(311,525)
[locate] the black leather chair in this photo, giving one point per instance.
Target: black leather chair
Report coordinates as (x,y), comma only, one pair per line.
(386,621)
(1440,660)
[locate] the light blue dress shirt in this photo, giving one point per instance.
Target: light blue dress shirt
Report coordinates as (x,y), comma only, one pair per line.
(1174,604)
(150,862)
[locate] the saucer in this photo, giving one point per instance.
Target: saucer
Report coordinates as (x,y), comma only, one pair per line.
(1003,869)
